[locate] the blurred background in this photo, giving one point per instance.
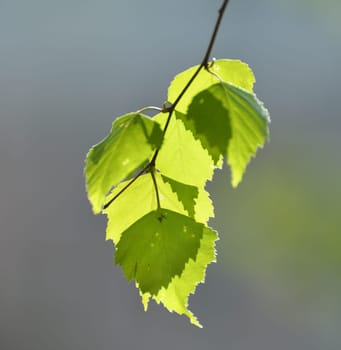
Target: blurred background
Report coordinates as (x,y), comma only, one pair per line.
(67,69)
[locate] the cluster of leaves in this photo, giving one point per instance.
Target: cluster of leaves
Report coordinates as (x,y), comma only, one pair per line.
(149,175)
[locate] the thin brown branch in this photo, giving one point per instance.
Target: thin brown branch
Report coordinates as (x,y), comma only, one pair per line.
(106,205)
(204,64)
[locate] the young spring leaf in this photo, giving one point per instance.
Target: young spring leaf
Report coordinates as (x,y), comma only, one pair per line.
(156,248)
(182,199)
(249,121)
(232,71)
(130,144)
(210,122)
(140,199)
(182,157)
(229,121)
(175,296)
(186,194)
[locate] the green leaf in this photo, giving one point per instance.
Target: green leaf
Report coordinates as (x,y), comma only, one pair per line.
(232,71)
(223,119)
(204,209)
(175,296)
(196,201)
(228,121)
(209,120)
(140,199)
(132,140)
(156,248)
(185,193)
(181,157)
(249,123)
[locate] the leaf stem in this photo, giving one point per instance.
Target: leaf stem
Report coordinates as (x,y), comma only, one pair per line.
(158,109)
(152,173)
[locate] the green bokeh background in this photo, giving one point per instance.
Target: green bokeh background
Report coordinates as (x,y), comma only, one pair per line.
(67,68)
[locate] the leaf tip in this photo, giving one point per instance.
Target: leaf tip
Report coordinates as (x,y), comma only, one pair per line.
(145,297)
(236,179)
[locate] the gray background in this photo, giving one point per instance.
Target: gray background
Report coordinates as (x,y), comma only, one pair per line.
(67,69)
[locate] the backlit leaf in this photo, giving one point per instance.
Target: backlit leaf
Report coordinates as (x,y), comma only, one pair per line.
(130,144)
(229,121)
(140,198)
(232,71)
(156,248)
(175,296)
(181,157)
